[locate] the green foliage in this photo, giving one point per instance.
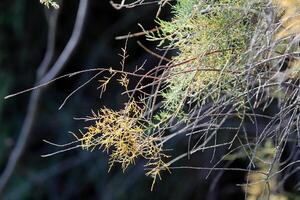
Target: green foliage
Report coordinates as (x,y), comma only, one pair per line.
(211,38)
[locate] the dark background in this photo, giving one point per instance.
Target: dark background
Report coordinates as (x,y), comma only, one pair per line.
(79,174)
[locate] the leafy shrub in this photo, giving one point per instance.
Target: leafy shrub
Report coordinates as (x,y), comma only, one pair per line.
(228,64)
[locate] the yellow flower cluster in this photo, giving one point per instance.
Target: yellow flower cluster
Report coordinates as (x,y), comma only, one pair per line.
(122,136)
(261,186)
(290,27)
(290,19)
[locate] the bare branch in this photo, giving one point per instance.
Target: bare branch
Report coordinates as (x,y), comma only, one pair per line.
(36,94)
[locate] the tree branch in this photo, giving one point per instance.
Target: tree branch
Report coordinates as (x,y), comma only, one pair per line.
(36,94)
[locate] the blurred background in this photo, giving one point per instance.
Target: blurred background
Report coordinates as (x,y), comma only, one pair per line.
(79,174)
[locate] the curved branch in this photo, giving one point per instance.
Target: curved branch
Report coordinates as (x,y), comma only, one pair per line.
(36,94)
(71,45)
